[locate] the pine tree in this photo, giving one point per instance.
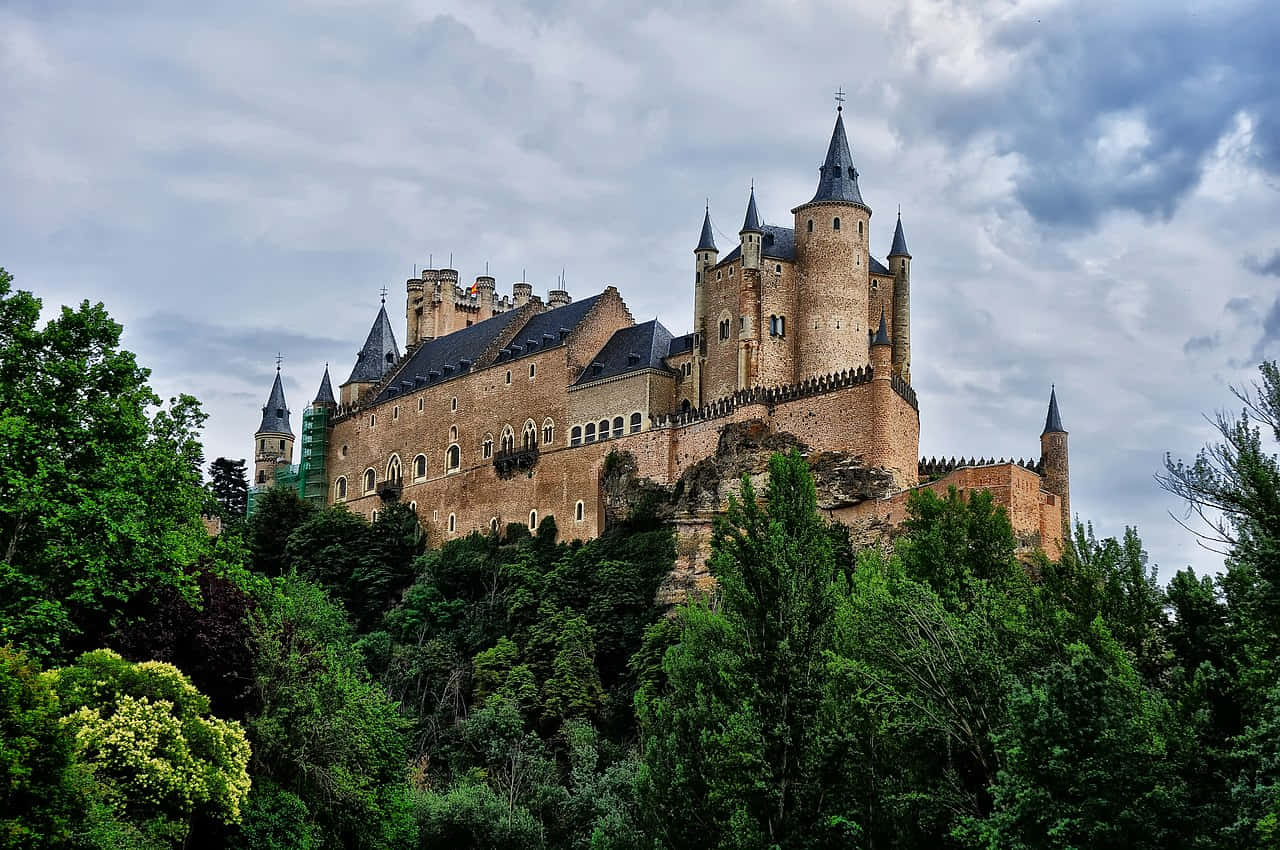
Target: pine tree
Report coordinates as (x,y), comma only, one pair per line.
(229,482)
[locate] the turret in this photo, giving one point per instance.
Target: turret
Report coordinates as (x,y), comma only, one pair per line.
(376,358)
(704,259)
(833,280)
(900,265)
(521,293)
(1053,457)
(415,294)
(324,396)
(558,298)
(273,441)
(484,288)
(881,352)
(751,235)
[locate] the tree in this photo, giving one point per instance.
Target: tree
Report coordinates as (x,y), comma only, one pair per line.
(277,513)
(100,494)
(229,482)
(146,734)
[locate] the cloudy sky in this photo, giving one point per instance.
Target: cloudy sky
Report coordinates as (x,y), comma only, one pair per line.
(1089,188)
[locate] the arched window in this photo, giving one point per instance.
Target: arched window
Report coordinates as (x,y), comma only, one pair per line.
(810,225)
(453,523)
(493,524)
(420,405)
(533,370)
(453,433)
(835,223)
(575,435)
(373,420)
(725,328)
(340,489)
(529,438)
(508,440)
(533,520)
(685,406)
(453,404)
(603,429)
(262,445)
(617,426)
(548,432)
(636,421)
(875,285)
(373,516)
(453,458)
(486,448)
(420,467)
(777,269)
(591,432)
(395,412)
(508,376)
(782,326)
(578,511)
(859,228)
(262,477)
(370,479)
(393,469)
(413,506)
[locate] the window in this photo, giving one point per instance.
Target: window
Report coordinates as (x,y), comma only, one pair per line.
(782,326)
(419,405)
(529,438)
(344,451)
(575,435)
(688,369)
(373,420)
(282,445)
(340,489)
(875,285)
(373,516)
(777,269)
(493,524)
(369,480)
(508,376)
(453,459)
(777,326)
(393,469)
(730,271)
(591,432)
(636,421)
(413,506)
(533,370)
(486,448)
(453,404)
(453,433)
(742,323)
(262,477)
(420,467)
(859,228)
(453,523)
(533,520)
(395,412)
(617,426)
(835,223)
(810,225)
(548,432)
(724,329)
(508,439)
(603,429)
(262,445)
(578,511)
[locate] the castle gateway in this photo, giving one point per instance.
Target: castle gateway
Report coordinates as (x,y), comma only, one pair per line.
(504,409)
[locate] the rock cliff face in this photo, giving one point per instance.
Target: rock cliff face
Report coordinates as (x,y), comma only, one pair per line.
(703,492)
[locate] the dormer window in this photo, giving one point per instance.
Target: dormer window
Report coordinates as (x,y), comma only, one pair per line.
(633,359)
(597,368)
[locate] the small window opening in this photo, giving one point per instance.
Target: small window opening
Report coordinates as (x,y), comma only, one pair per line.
(835,223)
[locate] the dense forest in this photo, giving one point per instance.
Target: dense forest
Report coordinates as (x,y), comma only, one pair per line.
(306,679)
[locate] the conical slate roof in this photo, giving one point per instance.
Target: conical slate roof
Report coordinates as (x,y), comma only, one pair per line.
(882,334)
(1053,421)
(275,414)
(708,241)
(899,248)
(379,353)
(325,394)
(752,221)
(839,180)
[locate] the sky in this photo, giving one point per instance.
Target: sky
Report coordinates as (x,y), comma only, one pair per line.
(1088,189)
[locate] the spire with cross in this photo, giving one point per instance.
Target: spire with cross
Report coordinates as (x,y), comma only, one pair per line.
(279,360)
(840,99)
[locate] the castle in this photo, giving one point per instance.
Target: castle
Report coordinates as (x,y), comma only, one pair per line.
(505,409)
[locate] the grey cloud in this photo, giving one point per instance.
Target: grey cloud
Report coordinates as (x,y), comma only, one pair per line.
(1268,344)
(1269,267)
(1200,344)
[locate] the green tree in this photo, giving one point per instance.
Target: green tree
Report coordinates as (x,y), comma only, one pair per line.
(229,483)
(146,735)
(277,513)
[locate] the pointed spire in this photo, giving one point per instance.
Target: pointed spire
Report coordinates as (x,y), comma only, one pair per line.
(752,222)
(839,179)
(325,394)
(708,241)
(899,248)
(275,414)
(882,333)
(379,353)
(1053,421)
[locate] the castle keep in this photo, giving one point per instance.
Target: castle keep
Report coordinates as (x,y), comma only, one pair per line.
(504,409)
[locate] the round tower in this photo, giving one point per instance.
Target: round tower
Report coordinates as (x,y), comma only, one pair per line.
(833,280)
(415,288)
(704,259)
(273,441)
(521,293)
(751,234)
(900,266)
(1053,458)
(485,287)
(558,298)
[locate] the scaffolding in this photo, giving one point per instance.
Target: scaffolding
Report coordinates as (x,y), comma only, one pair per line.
(311,482)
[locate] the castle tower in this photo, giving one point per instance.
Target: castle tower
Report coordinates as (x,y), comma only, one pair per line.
(324,396)
(558,298)
(484,288)
(521,293)
(415,293)
(833,276)
(900,265)
(1053,457)
(273,441)
(751,235)
(704,259)
(377,357)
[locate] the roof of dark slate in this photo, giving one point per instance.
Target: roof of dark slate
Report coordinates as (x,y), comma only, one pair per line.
(877,266)
(275,414)
(681,344)
(899,248)
(1053,421)
(379,353)
(325,394)
(839,179)
(778,243)
(882,333)
(631,349)
(708,240)
(752,221)
(443,356)
(548,330)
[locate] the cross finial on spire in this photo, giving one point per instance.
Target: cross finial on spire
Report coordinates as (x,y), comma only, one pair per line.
(383,292)
(840,99)
(279,360)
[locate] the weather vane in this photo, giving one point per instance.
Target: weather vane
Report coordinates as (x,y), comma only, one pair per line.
(840,99)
